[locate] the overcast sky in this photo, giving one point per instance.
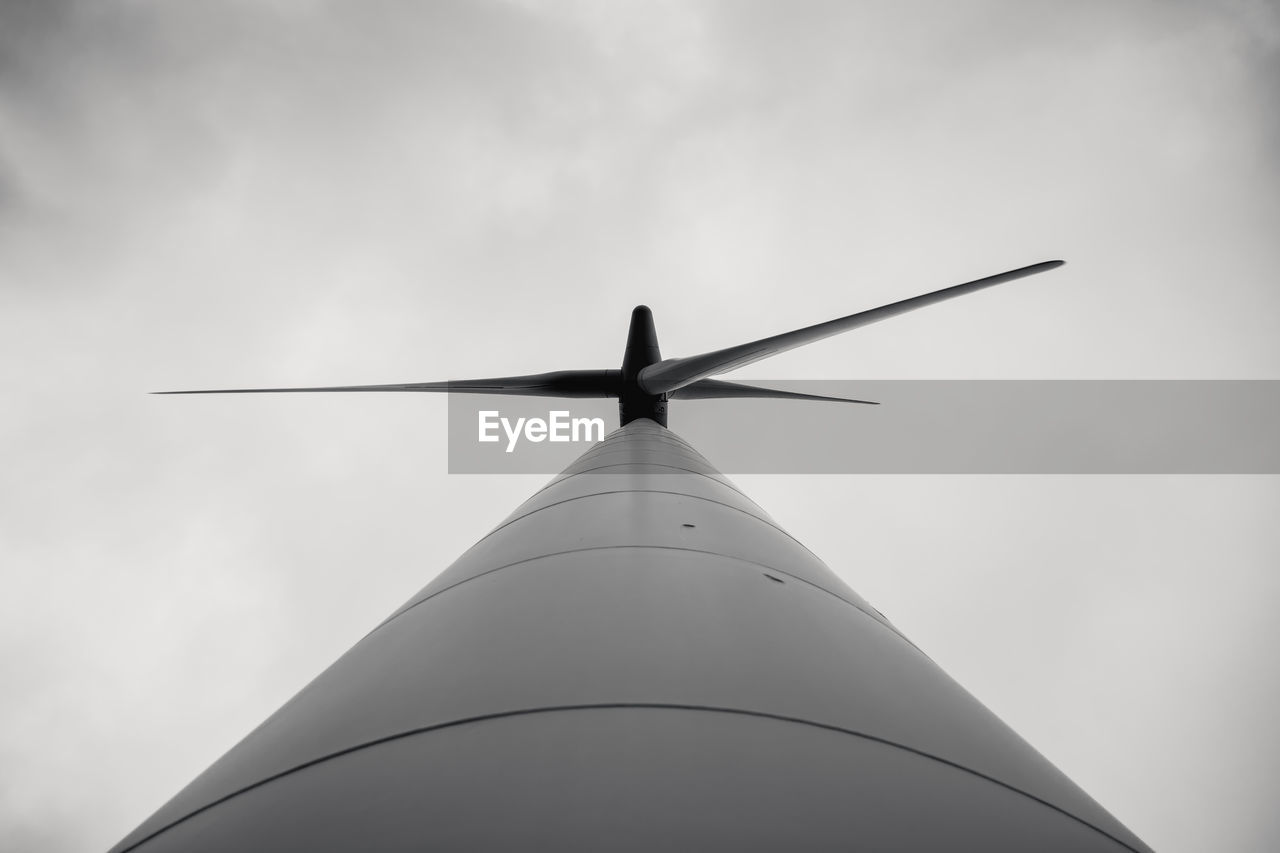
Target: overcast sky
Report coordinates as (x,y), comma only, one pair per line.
(270,193)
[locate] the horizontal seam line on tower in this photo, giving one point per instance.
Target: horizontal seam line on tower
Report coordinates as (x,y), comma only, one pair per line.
(765,521)
(559,480)
(878,619)
(724,482)
(614,706)
(612,440)
(592,455)
(617,437)
(563,501)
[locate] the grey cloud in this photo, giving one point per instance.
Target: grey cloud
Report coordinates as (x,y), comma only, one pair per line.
(297,193)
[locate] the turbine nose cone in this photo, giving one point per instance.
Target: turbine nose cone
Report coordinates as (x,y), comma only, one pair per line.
(642,325)
(642,343)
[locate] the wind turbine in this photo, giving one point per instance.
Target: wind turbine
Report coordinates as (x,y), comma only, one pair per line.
(637,658)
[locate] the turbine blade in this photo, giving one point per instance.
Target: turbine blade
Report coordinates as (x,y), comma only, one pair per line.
(667,376)
(560,383)
(712,389)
